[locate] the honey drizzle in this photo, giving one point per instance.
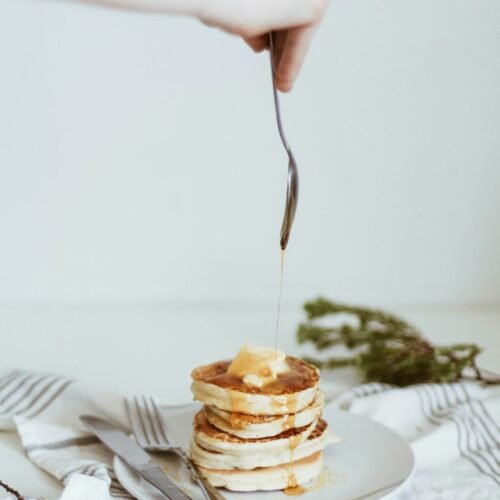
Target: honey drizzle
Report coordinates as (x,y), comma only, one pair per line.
(292,479)
(288,422)
(293,486)
(293,442)
(294,490)
(279,302)
(235,421)
(238,401)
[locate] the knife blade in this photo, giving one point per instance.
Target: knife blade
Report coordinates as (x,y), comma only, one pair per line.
(129,451)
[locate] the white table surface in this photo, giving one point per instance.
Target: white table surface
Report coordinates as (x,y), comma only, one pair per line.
(152,349)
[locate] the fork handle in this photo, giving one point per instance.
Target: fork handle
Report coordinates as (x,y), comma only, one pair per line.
(209,491)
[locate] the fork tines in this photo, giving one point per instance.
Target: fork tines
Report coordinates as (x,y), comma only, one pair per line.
(146,423)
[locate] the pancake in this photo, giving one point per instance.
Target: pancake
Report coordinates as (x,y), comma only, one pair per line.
(300,472)
(291,391)
(258,426)
(214,449)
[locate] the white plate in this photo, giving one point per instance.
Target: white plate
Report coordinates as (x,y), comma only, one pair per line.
(370,462)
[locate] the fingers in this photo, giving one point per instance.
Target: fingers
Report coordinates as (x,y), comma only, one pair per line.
(289,51)
(292,57)
(250,18)
(294,23)
(277,15)
(279,41)
(257,43)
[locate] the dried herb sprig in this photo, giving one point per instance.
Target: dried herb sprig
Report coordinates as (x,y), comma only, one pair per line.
(386,348)
(11,490)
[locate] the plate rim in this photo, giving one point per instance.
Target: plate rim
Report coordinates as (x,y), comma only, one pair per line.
(123,466)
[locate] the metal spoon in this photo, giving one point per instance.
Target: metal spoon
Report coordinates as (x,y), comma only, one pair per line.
(292,191)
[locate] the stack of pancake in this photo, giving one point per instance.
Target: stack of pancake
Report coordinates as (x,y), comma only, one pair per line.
(260,427)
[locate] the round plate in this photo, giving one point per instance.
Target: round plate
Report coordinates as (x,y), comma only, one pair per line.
(370,462)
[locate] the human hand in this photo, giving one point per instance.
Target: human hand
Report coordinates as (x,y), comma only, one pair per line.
(293,22)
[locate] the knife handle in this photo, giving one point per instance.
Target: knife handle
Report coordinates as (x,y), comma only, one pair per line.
(210,492)
(155,476)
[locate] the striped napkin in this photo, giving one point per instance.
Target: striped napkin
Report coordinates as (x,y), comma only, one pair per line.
(453,430)
(44,409)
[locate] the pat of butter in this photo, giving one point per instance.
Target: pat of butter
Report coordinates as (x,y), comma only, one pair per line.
(257,365)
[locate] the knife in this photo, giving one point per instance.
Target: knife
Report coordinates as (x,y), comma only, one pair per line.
(129,451)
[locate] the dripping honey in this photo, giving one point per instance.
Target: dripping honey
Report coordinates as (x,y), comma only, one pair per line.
(278,313)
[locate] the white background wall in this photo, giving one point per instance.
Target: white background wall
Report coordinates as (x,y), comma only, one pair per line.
(139,159)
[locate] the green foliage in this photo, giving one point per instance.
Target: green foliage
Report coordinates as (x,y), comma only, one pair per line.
(385,348)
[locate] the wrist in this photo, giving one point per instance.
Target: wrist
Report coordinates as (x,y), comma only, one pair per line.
(181,7)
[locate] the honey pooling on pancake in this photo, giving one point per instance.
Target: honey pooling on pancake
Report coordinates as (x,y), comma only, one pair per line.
(300,376)
(265,434)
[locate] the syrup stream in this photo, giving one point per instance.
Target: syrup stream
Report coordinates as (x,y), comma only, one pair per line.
(279,303)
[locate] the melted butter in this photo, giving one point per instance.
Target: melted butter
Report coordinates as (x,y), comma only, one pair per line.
(258,366)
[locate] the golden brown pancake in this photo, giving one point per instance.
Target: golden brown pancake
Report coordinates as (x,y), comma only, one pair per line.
(218,450)
(297,473)
(290,392)
(301,376)
(201,424)
(258,426)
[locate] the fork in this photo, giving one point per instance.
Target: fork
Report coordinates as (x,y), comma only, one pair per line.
(150,432)
(292,190)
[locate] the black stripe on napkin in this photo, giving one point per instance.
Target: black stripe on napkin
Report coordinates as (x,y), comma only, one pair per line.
(445,402)
(16,384)
(483,433)
(463,436)
(66,443)
(474,433)
(6,379)
(477,443)
(480,410)
(48,398)
(26,394)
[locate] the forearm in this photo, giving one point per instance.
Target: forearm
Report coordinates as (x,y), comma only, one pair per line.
(293,21)
(181,7)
